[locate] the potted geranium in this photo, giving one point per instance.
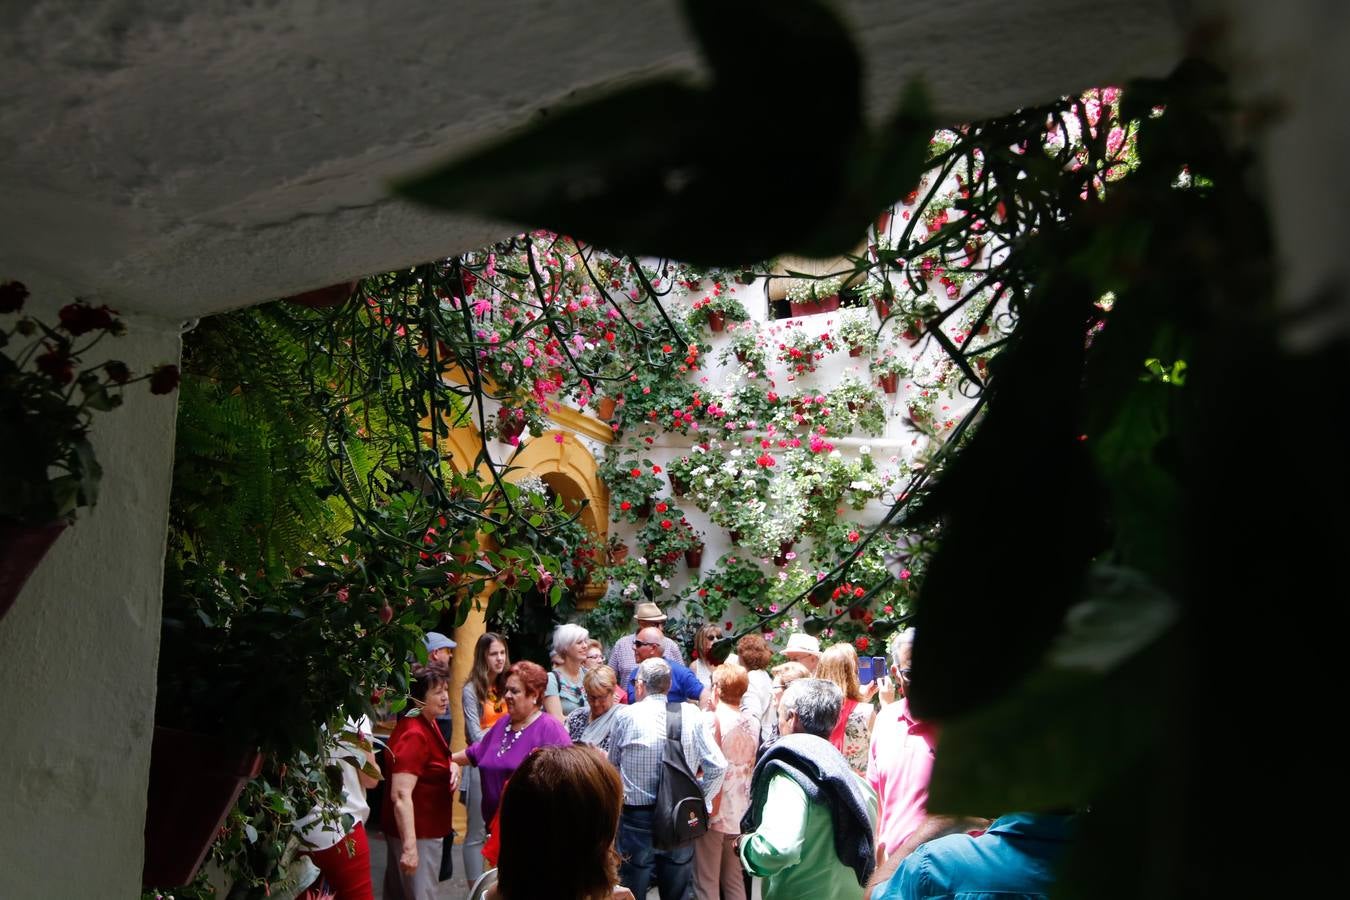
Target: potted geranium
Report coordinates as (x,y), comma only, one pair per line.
(632,483)
(800,350)
(857,407)
(888,366)
(716,309)
(667,536)
(747,350)
(808,296)
(858,334)
(48,398)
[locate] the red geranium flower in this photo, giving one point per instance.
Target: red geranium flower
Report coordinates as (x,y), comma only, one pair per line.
(667,524)
(862,644)
(636,473)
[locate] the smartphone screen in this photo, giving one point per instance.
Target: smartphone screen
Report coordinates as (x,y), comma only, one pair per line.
(880,667)
(865,673)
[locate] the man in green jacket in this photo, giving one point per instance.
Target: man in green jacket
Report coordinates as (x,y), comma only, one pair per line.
(809,830)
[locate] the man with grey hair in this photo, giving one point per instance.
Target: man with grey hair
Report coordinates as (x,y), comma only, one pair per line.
(900,760)
(808,832)
(637,749)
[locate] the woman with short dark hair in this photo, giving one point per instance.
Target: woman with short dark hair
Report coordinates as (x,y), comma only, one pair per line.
(419,807)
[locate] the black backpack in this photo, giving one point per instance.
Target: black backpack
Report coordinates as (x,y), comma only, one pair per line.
(681,812)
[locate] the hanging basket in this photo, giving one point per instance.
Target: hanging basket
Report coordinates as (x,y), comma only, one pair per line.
(717,322)
(194,784)
(643,509)
(22,547)
(890,383)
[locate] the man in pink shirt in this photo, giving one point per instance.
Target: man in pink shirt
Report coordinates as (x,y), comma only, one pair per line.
(900,760)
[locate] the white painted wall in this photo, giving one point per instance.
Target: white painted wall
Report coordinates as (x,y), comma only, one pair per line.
(79,650)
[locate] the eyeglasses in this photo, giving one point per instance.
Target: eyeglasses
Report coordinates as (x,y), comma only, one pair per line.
(904,673)
(639,644)
(597,696)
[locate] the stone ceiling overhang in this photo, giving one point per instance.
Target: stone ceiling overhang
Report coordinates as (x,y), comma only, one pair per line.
(185,157)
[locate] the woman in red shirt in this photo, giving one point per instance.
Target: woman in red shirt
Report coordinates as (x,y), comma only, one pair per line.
(418,807)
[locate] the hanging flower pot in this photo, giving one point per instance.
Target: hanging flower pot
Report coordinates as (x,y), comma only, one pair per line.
(717,321)
(883,306)
(604,408)
(745,277)
(194,783)
(736,538)
(509,431)
(618,554)
(890,383)
(913,334)
(643,509)
(813,307)
(855,352)
(323,298)
(693,285)
(21,549)
(783,550)
(678,486)
(884,221)
(693,558)
(741,357)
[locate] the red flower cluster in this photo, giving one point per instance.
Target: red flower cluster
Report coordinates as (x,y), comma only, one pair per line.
(81,318)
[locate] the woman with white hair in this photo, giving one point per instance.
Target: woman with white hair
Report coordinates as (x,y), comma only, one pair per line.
(565,692)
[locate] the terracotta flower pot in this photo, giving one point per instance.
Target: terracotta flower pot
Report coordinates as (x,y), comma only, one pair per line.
(741,357)
(644,509)
(22,547)
(678,486)
(882,305)
(890,383)
(884,221)
(194,783)
(717,321)
(783,550)
(913,334)
(813,307)
(736,538)
(618,554)
(510,430)
(604,408)
(325,297)
(694,558)
(855,352)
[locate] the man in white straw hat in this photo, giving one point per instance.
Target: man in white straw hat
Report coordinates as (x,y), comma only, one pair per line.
(805,649)
(623,658)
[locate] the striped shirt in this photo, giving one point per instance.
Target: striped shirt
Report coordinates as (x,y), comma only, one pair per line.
(637,746)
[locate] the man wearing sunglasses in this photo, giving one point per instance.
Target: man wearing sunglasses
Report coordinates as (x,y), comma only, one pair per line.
(623,658)
(684,684)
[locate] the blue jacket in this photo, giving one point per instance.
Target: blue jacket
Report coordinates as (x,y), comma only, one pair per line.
(1016,858)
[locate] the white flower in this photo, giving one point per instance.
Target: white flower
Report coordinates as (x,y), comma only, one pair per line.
(708,482)
(860,485)
(865,449)
(736,452)
(698,449)
(835,454)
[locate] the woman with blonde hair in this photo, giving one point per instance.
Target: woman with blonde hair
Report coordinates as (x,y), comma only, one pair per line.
(853,732)
(783,675)
(560,813)
(591,723)
(717,870)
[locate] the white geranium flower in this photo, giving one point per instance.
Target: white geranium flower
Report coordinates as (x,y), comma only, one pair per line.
(835,454)
(865,449)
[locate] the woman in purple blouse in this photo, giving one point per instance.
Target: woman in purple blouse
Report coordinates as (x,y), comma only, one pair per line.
(504,746)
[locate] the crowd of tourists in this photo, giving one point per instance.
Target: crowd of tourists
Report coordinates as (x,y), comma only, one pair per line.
(610,774)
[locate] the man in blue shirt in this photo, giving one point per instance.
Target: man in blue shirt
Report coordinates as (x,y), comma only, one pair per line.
(684,684)
(1016,858)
